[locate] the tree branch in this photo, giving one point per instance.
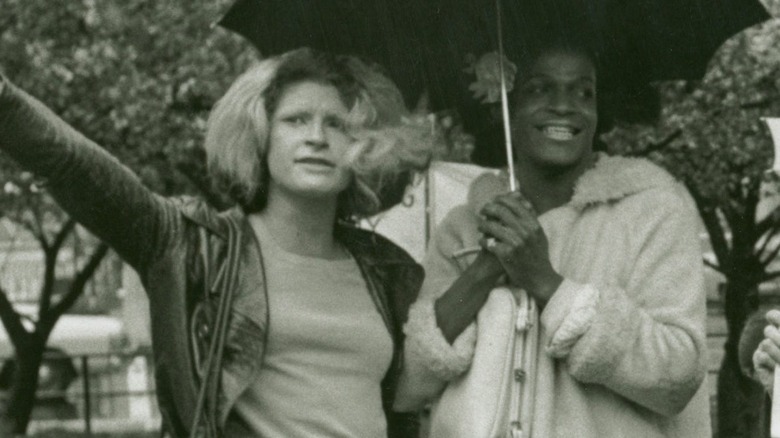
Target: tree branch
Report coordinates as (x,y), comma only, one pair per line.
(47,288)
(63,234)
(77,287)
(770,223)
(764,245)
(714,228)
(12,322)
(714,266)
(763,103)
(27,225)
(734,220)
(50,259)
(35,209)
(771,256)
(770,276)
(767,235)
(752,198)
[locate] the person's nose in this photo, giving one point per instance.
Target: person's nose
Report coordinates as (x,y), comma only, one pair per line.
(561,102)
(316,135)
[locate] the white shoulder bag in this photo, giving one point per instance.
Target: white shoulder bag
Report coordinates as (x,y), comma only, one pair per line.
(494,398)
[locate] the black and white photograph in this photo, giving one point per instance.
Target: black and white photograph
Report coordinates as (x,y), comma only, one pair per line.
(390,218)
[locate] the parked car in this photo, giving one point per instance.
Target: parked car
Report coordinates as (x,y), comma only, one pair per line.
(73,336)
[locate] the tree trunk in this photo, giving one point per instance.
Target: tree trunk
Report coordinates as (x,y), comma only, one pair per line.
(740,401)
(739,397)
(21,399)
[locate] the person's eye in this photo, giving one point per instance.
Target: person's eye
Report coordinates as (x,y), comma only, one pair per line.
(587,92)
(536,88)
(584,90)
(295,119)
(336,123)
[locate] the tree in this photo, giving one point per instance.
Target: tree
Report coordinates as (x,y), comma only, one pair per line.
(712,138)
(136,76)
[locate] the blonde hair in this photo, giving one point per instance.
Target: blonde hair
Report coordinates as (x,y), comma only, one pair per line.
(389,144)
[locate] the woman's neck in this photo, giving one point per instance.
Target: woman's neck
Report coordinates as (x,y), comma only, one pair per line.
(300,225)
(549,188)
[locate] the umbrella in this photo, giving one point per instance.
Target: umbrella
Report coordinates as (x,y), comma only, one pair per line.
(424,44)
(397,34)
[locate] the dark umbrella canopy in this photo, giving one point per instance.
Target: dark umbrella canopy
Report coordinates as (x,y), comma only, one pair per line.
(638,40)
(397,34)
(424,45)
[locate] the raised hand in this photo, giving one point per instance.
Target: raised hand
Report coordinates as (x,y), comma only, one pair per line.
(513,234)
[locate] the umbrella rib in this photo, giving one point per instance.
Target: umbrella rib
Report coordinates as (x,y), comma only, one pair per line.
(505,102)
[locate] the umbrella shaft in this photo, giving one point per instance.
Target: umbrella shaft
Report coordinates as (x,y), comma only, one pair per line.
(505,102)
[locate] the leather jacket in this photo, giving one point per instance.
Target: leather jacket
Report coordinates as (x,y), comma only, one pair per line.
(392,278)
(177,246)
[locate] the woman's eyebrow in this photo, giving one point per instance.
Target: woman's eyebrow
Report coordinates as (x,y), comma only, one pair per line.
(293,110)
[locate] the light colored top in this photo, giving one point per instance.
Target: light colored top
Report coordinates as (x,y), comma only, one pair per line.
(327,352)
(622,347)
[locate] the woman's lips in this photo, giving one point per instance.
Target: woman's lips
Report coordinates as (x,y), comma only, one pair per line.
(316,161)
(559,132)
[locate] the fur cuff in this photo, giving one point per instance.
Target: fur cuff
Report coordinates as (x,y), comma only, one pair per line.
(425,343)
(576,320)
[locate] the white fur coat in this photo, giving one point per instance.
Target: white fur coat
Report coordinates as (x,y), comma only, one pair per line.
(622,341)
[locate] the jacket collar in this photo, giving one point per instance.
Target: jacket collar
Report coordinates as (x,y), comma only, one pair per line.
(611,179)
(614,178)
(371,248)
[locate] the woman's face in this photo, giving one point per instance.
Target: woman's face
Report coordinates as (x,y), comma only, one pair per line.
(308,142)
(554,118)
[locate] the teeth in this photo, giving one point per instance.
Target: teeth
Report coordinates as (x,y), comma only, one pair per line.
(558,132)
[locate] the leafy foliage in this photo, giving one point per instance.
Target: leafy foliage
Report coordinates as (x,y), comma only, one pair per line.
(138,77)
(711,135)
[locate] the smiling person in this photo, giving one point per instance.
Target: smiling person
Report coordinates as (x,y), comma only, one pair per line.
(314,334)
(608,249)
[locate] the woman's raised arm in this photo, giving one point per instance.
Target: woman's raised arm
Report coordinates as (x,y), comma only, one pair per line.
(91,185)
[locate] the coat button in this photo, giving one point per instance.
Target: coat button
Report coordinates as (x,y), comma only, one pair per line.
(519,375)
(203,331)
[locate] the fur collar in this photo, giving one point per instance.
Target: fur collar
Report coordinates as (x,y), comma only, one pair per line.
(612,178)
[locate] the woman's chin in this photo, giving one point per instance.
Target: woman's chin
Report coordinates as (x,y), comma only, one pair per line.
(559,163)
(560,158)
(318,192)
(313,185)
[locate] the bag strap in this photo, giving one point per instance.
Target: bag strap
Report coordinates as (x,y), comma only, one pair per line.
(225,286)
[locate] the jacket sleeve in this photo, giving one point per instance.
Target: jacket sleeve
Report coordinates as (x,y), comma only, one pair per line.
(429,360)
(645,341)
(88,183)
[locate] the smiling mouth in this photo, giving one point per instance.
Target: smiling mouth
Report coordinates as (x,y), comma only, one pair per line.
(558,132)
(316,162)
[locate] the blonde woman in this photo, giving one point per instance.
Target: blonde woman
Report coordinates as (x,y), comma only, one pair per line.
(302,142)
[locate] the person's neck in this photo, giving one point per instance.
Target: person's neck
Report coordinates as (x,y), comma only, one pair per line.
(549,188)
(301,225)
